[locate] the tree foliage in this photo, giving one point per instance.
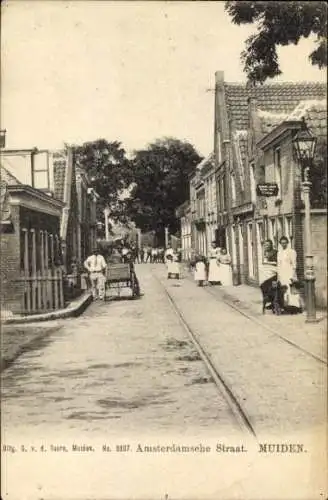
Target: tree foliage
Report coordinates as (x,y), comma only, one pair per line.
(279,23)
(160,173)
(109,171)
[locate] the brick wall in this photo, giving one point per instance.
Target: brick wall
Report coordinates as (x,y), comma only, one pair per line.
(12,293)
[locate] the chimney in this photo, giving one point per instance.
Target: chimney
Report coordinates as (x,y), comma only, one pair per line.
(219,77)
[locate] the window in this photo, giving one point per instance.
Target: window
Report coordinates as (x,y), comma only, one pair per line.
(233,189)
(40,179)
(260,241)
(261,174)
(222,194)
(272,230)
(40,170)
(289,228)
(252,182)
(280,228)
(277,171)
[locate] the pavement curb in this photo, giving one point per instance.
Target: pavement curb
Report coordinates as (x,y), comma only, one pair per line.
(75,308)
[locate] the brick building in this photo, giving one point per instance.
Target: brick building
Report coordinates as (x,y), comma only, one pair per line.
(56,174)
(31,278)
(243,116)
(284,214)
(183,213)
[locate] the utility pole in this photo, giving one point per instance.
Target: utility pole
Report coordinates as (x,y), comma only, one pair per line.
(106,214)
(166,237)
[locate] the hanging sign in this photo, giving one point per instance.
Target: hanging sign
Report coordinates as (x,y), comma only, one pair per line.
(267,189)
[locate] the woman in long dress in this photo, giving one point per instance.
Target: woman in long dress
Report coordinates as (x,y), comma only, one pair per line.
(287,273)
(225,268)
(200,270)
(214,275)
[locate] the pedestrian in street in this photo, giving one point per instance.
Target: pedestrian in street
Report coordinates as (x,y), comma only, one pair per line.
(154,255)
(200,270)
(148,255)
(270,288)
(161,254)
(130,260)
(225,268)
(214,276)
(96,265)
(286,267)
(168,251)
(173,267)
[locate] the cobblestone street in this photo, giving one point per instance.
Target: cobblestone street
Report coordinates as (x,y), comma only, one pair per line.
(123,366)
(129,368)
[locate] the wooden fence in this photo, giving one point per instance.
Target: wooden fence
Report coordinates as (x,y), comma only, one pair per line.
(43,292)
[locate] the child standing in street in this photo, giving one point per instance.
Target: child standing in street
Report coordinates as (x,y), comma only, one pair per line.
(200,270)
(173,267)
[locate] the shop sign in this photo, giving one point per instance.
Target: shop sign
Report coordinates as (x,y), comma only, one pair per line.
(267,189)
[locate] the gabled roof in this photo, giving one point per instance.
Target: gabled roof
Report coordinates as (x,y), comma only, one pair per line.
(8,178)
(276,98)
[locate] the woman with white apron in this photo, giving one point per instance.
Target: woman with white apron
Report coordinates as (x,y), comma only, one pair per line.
(214,275)
(225,268)
(287,273)
(200,270)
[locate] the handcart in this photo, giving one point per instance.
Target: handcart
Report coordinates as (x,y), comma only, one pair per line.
(120,276)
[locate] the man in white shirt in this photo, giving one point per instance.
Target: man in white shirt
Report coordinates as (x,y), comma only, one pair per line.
(96,265)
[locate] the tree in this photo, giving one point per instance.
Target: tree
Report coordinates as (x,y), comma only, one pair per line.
(109,171)
(160,173)
(279,23)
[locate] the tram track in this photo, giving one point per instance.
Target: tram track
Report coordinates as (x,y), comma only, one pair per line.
(267,328)
(239,413)
(260,323)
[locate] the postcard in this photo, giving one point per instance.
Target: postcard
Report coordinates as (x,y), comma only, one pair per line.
(163,250)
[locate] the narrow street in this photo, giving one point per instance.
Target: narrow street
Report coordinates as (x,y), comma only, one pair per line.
(123,366)
(130,366)
(126,374)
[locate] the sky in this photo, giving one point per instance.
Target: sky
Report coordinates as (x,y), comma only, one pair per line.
(130,71)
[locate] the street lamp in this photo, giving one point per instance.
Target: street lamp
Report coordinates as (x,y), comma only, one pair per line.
(305,143)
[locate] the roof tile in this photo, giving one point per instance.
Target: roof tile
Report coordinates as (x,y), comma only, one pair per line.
(277,97)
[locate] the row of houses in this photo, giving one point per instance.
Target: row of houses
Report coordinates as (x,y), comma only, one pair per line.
(253,146)
(48,227)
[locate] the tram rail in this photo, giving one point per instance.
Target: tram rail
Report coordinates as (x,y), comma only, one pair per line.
(260,323)
(239,413)
(268,328)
